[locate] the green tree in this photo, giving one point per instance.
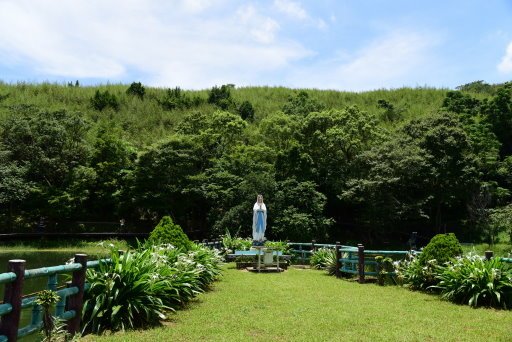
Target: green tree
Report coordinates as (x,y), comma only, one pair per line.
(136,89)
(500,220)
(333,139)
(460,103)
(479,87)
(160,178)
(103,100)
(175,99)
(279,130)
(223,131)
(424,176)
(298,212)
(498,112)
(231,184)
(221,96)
(112,161)
(14,187)
(49,146)
(301,104)
(246,111)
(389,112)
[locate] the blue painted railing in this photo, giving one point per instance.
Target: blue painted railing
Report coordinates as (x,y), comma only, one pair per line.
(303,250)
(68,308)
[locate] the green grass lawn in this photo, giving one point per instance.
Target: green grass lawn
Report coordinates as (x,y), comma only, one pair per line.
(303,304)
(93,248)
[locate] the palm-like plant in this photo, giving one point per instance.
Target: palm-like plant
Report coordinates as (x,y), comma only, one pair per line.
(324,259)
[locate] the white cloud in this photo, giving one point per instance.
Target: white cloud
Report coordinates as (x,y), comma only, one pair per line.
(164,43)
(390,60)
(295,11)
(197,5)
(291,8)
(266,32)
(263,29)
(505,65)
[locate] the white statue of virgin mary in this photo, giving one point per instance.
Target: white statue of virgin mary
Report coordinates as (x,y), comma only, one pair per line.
(259,219)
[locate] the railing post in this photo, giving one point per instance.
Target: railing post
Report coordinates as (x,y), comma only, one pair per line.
(301,255)
(489,255)
(338,257)
(313,248)
(13,293)
(360,252)
(76,301)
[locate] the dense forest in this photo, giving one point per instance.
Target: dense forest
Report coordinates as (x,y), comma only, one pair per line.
(371,166)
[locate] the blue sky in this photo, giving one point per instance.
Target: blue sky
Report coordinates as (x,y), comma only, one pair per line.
(195,44)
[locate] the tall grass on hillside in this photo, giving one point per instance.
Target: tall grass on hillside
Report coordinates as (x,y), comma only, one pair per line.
(145,121)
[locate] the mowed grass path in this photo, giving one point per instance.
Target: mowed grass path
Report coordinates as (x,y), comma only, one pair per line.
(307,305)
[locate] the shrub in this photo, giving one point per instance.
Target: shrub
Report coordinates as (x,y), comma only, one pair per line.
(134,290)
(221,97)
(168,232)
(278,245)
(136,89)
(324,259)
(384,269)
(124,294)
(232,244)
(475,281)
(389,112)
(246,111)
(441,248)
(176,99)
(207,262)
(102,100)
(412,274)
(301,104)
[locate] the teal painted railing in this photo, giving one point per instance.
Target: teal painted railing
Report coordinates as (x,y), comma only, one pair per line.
(357,260)
(303,250)
(68,308)
(350,260)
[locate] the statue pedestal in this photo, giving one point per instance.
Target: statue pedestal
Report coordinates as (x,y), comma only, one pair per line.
(268,259)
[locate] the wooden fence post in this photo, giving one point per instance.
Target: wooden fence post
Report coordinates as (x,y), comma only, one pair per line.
(338,257)
(489,255)
(360,252)
(13,292)
(301,255)
(76,301)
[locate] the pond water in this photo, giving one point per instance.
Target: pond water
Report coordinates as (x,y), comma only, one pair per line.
(34,260)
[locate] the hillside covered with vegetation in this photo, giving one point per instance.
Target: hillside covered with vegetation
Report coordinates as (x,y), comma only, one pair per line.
(372,166)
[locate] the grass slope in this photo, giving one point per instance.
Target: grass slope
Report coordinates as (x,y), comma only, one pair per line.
(92,248)
(307,305)
(145,121)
